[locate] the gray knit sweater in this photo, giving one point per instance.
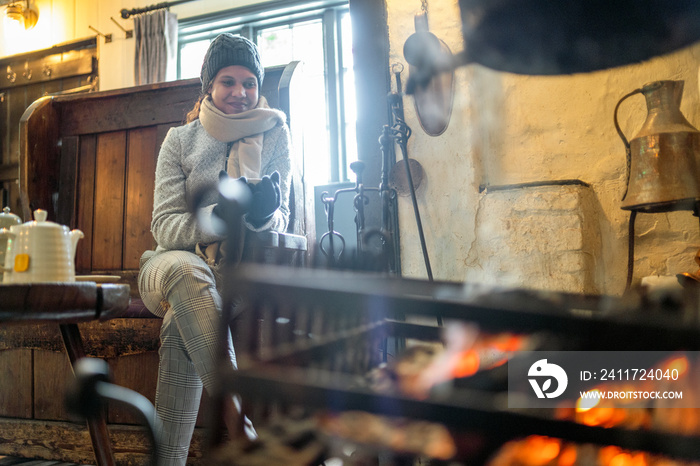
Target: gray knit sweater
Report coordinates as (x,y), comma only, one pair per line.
(189,161)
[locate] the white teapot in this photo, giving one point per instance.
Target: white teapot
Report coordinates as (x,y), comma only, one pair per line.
(7,219)
(40,251)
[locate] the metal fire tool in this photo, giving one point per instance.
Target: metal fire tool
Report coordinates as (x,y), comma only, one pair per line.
(395,134)
(388,256)
(398,133)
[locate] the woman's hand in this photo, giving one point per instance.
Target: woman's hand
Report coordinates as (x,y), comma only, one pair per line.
(266,199)
(235,196)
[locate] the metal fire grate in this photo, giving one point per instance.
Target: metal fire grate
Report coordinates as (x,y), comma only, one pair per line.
(313,360)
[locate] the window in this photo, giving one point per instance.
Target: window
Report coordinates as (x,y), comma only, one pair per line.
(318,34)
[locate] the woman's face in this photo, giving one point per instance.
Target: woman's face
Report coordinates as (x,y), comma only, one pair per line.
(234,90)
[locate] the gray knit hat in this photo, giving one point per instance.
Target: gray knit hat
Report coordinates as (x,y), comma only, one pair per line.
(227,50)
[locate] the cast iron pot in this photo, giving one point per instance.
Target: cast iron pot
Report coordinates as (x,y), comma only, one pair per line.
(547,37)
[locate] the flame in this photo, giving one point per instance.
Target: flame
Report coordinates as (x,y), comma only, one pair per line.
(584,404)
(628,459)
(568,456)
(600,416)
(621,459)
(606,454)
(640,459)
(467,364)
(680,364)
(540,450)
(596,411)
(505,342)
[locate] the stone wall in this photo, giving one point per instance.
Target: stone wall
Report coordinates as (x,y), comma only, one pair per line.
(509,129)
(541,236)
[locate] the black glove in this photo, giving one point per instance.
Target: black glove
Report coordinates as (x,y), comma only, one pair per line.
(220,206)
(267,198)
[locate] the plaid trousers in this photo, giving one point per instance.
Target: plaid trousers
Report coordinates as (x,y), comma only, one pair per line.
(179,287)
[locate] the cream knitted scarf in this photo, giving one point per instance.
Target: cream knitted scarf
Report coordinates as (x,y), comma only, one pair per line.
(245,130)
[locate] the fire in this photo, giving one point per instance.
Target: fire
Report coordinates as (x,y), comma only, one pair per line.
(606,454)
(596,411)
(466,351)
(584,404)
(485,351)
(568,456)
(614,456)
(466,364)
(600,416)
(680,364)
(549,450)
(539,450)
(622,459)
(505,342)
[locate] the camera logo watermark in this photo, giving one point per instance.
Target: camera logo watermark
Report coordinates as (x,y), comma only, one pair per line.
(543,372)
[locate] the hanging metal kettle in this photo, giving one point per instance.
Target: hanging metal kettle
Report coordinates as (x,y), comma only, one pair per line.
(663,158)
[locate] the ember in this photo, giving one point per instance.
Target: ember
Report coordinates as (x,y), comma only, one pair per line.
(596,411)
(454,376)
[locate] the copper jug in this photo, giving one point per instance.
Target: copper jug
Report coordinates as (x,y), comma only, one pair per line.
(663,159)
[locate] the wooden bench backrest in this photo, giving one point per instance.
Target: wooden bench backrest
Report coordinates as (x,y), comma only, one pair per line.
(90,159)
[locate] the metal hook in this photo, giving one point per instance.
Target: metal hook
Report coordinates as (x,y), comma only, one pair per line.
(27,73)
(107,37)
(330,254)
(11,75)
(129,33)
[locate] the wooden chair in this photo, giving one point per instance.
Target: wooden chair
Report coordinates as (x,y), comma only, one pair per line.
(89,160)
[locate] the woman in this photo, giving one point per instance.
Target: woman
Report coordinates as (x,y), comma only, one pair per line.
(231,128)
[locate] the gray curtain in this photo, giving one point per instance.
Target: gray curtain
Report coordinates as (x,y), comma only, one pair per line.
(156,47)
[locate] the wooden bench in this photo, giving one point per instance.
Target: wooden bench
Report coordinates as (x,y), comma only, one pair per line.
(89,160)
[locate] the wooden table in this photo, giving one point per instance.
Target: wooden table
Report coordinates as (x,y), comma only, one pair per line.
(67,304)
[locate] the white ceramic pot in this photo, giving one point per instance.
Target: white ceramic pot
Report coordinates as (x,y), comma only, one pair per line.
(40,251)
(7,220)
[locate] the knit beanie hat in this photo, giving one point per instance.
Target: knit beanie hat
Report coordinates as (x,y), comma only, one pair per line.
(227,50)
